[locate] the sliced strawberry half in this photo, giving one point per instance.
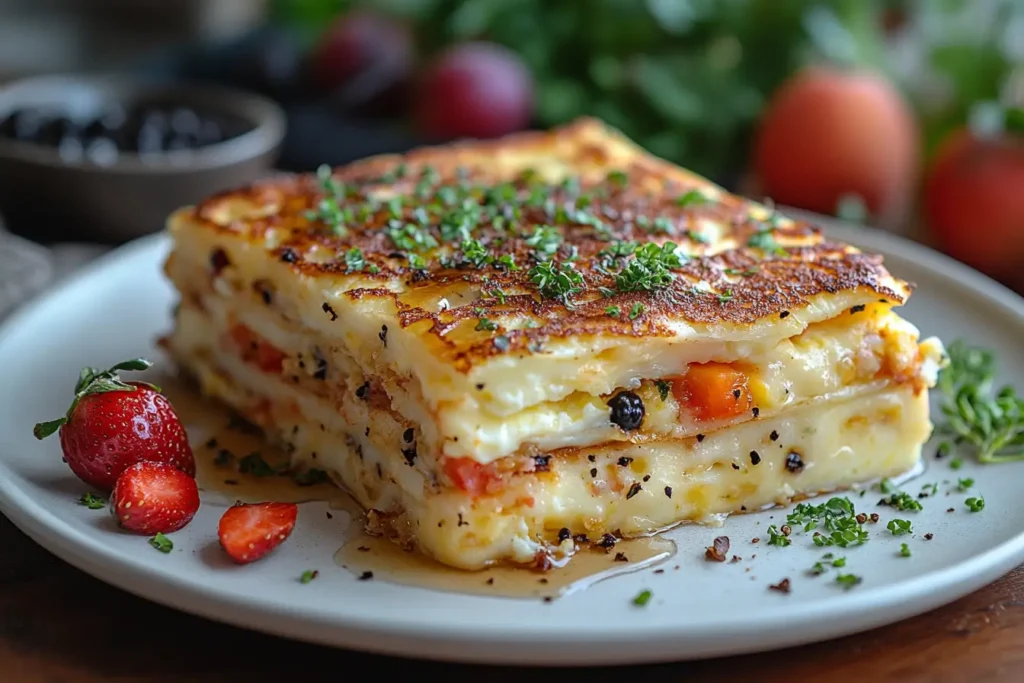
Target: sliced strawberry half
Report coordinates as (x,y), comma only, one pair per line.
(154,497)
(247,532)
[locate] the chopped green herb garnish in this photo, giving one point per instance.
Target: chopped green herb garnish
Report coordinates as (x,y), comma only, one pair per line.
(692,197)
(498,294)
(649,269)
(930,490)
(837,517)
(765,241)
(725,296)
(92,501)
(886,486)
(964,484)
(902,501)
(613,311)
(663,388)
(308,575)
(410,237)
(975,504)
(636,311)
(904,550)
(545,239)
(329,210)
(619,178)
(899,527)
(847,581)
(485,325)
(817,568)
(354,261)
(775,537)
(990,422)
(162,543)
(556,282)
(956,463)
(642,598)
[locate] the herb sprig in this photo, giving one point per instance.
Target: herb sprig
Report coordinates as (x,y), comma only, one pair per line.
(991,423)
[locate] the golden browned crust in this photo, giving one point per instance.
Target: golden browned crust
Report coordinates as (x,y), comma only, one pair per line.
(752,265)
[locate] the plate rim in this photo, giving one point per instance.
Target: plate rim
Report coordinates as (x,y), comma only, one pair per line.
(500,643)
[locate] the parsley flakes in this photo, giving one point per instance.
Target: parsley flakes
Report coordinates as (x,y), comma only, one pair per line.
(556,281)
(162,543)
(92,501)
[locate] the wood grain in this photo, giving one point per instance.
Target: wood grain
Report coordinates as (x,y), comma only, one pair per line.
(58,624)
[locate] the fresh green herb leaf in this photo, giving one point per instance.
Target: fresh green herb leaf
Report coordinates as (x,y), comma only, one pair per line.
(642,598)
(956,463)
(775,537)
(817,568)
(485,325)
(649,269)
(848,581)
(725,296)
(498,294)
(839,562)
(618,178)
(162,543)
(975,504)
(613,311)
(663,388)
(765,241)
(92,501)
(899,527)
(636,311)
(308,575)
(904,550)
(556,282)
(990,422)
(886,486)
(354,261)
(545,239)
(964,484)
(692,197)
(902,501)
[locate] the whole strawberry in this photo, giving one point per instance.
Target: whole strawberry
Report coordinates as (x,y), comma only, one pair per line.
(113,424)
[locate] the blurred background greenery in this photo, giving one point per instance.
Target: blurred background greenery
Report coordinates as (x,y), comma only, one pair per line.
(904,114)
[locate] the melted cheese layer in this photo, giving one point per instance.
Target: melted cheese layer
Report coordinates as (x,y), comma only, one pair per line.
(632,488)
(851,354)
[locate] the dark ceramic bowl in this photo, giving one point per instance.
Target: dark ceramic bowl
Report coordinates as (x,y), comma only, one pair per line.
(49,194)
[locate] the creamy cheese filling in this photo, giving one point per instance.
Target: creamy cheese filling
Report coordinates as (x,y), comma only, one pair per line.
(851,354)
(631,489)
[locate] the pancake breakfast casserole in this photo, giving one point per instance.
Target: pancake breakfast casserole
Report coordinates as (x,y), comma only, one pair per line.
(506,349)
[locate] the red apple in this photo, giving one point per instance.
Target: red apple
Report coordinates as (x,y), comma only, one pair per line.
(829,132)
(974,202)
(476,90)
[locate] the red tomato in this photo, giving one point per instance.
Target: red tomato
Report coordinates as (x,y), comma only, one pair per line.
(974,202)
(829,133)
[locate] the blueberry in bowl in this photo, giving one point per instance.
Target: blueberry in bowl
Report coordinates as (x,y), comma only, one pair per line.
(106,158)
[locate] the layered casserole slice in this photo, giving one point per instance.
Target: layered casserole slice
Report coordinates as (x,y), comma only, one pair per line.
(505,349)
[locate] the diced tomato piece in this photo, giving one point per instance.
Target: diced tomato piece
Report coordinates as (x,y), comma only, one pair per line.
(713,391)
(255,350)
(470,476)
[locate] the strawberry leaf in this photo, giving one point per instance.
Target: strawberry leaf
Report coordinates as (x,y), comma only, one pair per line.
(45,429)
(85,377)
(136,364)
(103,385)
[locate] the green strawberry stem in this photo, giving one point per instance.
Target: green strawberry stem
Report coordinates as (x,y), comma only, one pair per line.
(95,381)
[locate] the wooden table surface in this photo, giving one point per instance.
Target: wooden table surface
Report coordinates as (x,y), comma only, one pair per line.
(58,624)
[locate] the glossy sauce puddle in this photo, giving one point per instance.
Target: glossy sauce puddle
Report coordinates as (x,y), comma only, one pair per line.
(220,441)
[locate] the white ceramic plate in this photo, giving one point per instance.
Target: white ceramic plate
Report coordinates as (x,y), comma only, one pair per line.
(115,308)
